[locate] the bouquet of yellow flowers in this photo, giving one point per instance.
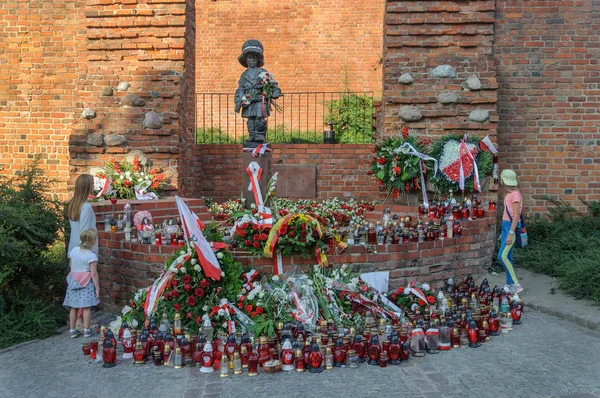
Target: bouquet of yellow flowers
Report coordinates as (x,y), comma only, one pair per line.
(131,180)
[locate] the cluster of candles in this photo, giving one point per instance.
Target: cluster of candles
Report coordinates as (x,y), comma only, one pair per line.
(169,234)
(464,316)
(437,221)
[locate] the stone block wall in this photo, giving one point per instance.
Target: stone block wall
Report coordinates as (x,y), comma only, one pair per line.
(133,83)
(547,57)
(439,71)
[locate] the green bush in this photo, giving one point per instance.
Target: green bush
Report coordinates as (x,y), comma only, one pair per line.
(352,117)
(566,245)
(32,258)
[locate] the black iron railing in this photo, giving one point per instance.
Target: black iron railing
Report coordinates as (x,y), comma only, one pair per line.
(302,118)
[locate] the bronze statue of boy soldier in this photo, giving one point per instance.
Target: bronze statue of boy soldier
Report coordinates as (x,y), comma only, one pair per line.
(256,91)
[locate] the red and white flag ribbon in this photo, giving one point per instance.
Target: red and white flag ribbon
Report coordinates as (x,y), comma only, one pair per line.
(193,236)
(248,278)
(106,183)
(487,145)
(156,290)
(260,150)
(254,172)
(463,148)
(277,263)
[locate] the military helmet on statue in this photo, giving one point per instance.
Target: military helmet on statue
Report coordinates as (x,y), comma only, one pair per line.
(252,47)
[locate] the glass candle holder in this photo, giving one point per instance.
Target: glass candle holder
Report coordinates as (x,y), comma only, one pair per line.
(86,349)
(252,364)
(93,349)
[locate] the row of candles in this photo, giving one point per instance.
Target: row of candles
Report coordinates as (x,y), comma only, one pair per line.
(435,221)
(463,317)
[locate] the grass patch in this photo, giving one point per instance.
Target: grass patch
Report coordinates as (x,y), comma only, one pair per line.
(566,245)
(279,135)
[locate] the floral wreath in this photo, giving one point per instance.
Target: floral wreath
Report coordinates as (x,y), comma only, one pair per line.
(396,169)
(446,150)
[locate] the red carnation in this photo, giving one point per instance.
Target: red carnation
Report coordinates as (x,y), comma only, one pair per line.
(253,314)
(189,315)
(255,227)
(259,310)
(263,236)
(256,245)
(422,303)
(394,296)
(186,279)
(249,308)
(198,320)
(167,296)
(292,234)
(191,301)
(303,226)
(200,292)
(247,242)
(430,299)
(204,283)
(175,293)
(177,307)
(187,287)
(242,233)
(283,229)
(174,282)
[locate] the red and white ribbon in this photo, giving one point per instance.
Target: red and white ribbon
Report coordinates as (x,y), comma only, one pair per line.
(410,150)
(156,290)
(418,292)
(277,264)
(260,150)
(248,278)
(106,182)
(300,314)
(254,172)
(461,182)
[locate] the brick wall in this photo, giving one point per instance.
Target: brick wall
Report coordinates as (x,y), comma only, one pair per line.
(341,169)
(547,57)
(126,267)
(42,58)
(310,45)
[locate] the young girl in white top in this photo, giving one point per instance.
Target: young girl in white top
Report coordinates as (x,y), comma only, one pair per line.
(81,215)
(83,288)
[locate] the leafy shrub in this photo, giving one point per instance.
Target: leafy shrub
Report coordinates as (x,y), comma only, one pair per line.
(32,258)
(566,245)
(352,117)
(29,320)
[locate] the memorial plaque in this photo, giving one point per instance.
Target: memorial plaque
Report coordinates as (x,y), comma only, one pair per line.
(296,181)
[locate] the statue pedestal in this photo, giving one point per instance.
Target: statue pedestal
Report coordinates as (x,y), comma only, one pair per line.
(264,161)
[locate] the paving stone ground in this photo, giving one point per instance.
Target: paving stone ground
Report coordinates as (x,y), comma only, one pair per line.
(544,357)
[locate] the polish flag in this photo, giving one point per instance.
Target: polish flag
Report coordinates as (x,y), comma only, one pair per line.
(192,227)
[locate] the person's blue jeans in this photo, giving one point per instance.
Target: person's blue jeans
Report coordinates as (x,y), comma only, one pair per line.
(505,254)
